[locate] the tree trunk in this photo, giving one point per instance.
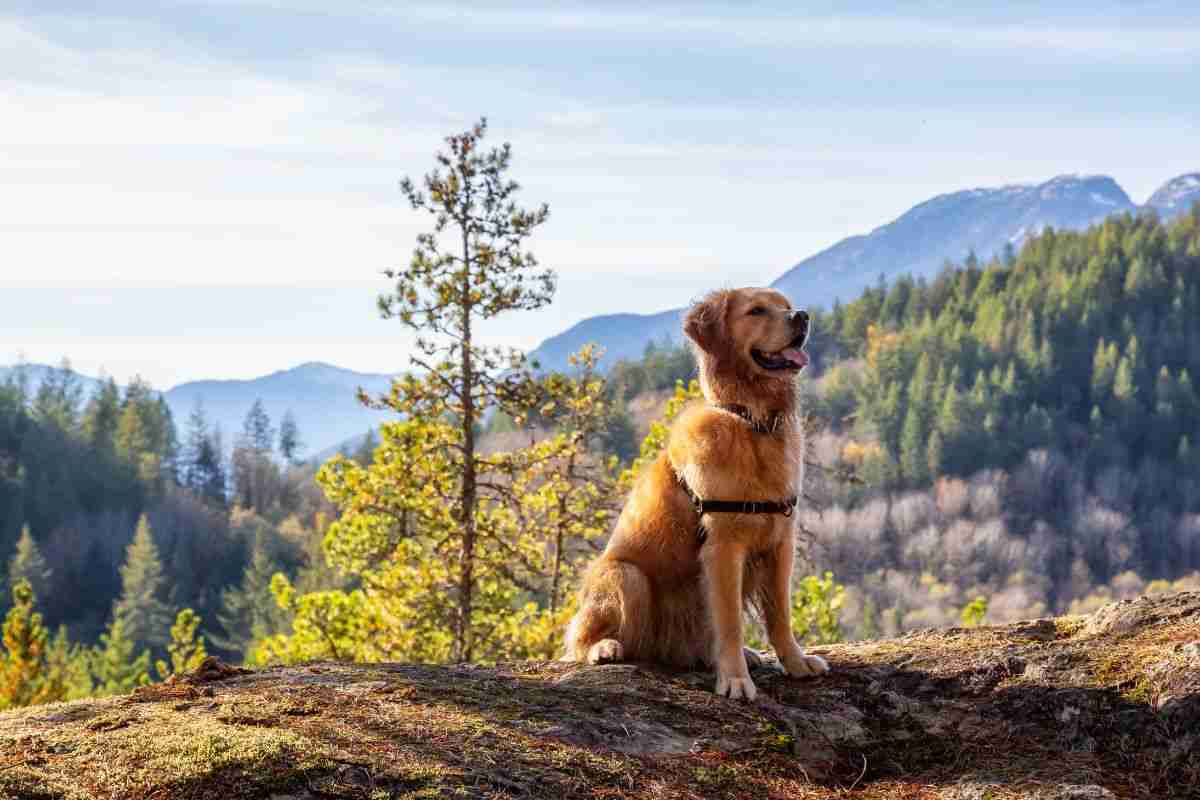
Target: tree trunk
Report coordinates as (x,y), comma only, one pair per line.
(466,581)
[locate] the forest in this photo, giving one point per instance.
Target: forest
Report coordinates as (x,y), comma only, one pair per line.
(1010,439)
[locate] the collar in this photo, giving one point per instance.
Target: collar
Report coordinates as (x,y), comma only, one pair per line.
(768,426)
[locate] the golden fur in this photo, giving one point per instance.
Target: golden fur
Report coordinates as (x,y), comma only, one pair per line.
(657,593)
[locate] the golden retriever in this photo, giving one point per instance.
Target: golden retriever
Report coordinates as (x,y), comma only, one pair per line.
(672,584)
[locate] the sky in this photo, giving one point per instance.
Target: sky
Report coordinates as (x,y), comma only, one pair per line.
(210,190)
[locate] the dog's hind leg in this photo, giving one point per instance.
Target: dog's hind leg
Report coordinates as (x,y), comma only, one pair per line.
(614,620)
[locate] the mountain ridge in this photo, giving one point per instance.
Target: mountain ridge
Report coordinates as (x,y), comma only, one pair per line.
(322,397)
(946,227)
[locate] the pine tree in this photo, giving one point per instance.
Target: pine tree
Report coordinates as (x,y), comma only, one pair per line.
(443,295)
(27,564)
(257,433)
(936,455)
(914,449)
(210,462)
(290,444)
(114,666)
(1104,369)
(58,398)
(69,665)
(256,477)
(101,415)
(143,616)
(248,612)
(24,677)
(185,650)
(194,444)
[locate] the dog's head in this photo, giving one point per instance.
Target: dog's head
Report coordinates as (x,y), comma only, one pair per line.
(753,333)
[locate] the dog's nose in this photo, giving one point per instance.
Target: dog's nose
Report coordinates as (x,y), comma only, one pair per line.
(800,318)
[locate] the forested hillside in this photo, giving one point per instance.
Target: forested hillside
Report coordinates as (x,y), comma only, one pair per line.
(77,474)
(1034,423)
(1023,432)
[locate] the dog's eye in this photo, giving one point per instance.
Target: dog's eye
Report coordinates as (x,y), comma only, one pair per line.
(757,311)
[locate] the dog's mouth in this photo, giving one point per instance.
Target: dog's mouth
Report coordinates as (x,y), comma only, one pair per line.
(791,358)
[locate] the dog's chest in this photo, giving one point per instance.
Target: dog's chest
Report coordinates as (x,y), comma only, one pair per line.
(773,465)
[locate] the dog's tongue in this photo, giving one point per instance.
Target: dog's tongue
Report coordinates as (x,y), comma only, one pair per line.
(796,356)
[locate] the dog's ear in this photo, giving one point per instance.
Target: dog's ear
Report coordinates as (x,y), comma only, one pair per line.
(705,321)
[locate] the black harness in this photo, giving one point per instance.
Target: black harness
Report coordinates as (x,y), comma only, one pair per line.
(785,507)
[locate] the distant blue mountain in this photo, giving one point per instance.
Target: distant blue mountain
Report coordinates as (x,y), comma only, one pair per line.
(321,396)
(1176,196)
(918,243)
(948,228)
(622,335)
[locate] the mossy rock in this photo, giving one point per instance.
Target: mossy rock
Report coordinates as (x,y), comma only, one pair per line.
(1104,706)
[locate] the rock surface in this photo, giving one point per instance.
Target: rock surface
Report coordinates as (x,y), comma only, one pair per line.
(1103,706)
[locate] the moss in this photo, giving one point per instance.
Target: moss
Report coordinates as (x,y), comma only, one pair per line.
(143,751)
(999,710)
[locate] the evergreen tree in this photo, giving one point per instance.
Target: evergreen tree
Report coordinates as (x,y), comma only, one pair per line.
(443,295)
(936,455)
(257,433)
(290,444)
(256,478)
(28,565)
(115,668)
(101,415)
(24,677)
(249,612)
(69,665)
(145,434)
(143,616)
(185,650)
(58,398)
(196,440)
(210,463)
(914,449)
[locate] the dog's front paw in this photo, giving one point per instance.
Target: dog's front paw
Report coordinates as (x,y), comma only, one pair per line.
(799,665)
(736,687)
(605,651)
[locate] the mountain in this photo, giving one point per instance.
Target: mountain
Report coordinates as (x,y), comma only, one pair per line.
(1176,196)
(321,396)
(919,242)
(622,336)
(35,374)
(948,228)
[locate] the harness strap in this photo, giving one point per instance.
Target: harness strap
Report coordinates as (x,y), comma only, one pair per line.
(784,507)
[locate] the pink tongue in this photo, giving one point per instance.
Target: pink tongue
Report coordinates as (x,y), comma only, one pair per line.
(796,356)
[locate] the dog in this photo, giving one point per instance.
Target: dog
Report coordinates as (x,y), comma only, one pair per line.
(693,548)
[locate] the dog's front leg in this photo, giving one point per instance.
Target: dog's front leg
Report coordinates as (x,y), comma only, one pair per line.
(723,559)
(777,610)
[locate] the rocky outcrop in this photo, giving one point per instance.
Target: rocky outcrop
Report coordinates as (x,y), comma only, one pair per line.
(1103,706)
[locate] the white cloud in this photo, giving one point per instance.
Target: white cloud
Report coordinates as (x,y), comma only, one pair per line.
(1054,34)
